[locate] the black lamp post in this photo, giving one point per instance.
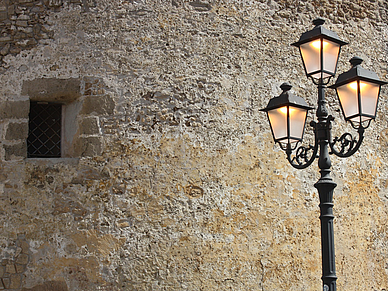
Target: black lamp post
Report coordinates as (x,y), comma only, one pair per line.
(358,91)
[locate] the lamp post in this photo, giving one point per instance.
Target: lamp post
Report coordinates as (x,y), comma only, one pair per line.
(358,92)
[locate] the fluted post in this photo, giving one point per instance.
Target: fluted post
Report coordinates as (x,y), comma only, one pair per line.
(325,186)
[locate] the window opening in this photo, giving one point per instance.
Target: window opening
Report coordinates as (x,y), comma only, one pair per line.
(44,130)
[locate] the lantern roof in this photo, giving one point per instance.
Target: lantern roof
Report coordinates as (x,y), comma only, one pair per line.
(357,73)
(317,32)
(286,98)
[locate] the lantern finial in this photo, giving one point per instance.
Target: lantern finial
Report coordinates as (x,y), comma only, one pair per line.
(318,21)
(286,87)
(355,61)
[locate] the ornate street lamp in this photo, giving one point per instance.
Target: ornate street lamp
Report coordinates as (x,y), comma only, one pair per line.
(358,91)
(319,49)
(287,115)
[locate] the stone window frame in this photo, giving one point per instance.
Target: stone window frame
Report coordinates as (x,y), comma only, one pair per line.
(84,104)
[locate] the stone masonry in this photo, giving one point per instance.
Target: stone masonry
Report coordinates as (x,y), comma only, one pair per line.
(169,178)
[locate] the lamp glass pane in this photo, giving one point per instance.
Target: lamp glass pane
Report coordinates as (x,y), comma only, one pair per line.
(311,55)
(310,52)
(348,98)
(369,96)
(330,56)
(297,121)
(278,120)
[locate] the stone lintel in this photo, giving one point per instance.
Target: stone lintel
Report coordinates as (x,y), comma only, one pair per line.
(52,90)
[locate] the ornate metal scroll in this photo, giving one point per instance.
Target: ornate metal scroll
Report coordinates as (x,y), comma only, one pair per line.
(302,158)
(347,145)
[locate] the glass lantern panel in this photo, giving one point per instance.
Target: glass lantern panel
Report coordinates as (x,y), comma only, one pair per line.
(348,98)
(311,55)
(297,121)
(330,56)
(278,120)
(369,96)
(311,52)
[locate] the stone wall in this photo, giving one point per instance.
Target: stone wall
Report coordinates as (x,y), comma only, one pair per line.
(170,179)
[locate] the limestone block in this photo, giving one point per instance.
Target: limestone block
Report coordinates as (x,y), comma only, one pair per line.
(89,125)
(5,49)
(3,15)
(68,206)
(55,3)
(52,90)
(5,39)
(93,86)
(200,6)
(14,109)
(15,151)
(20,268)
(49,286)
(16,131)
(88,147)
(11,9)
(100,105)
(90,173)
(15,281)
(22,259)
(7,282)
(10,268)
(24,246)
(22,23)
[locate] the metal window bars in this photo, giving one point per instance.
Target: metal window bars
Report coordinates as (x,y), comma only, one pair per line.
(44,130)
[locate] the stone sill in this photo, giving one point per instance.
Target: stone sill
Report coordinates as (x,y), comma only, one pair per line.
(52,161)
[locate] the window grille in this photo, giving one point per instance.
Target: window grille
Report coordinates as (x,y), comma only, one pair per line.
(44,130)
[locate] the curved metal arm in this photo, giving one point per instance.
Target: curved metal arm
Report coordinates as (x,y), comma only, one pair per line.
(302,159)
(348,144)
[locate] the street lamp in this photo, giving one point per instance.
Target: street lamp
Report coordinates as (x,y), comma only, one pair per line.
(287,115)
(319,49)
(358,92)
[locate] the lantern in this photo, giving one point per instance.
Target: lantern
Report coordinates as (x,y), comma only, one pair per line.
(358,92)
(319,49)
(287,115)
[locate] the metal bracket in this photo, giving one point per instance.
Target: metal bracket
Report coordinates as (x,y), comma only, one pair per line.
(302,159)
(348,145)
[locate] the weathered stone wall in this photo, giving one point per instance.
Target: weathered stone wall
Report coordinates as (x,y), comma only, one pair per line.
(170,179)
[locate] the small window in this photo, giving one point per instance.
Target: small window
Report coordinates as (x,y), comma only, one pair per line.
(44,130)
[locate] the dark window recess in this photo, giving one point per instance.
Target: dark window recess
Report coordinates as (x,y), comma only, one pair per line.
(44,130)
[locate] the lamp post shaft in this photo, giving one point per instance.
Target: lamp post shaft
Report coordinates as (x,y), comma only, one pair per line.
(325,186)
